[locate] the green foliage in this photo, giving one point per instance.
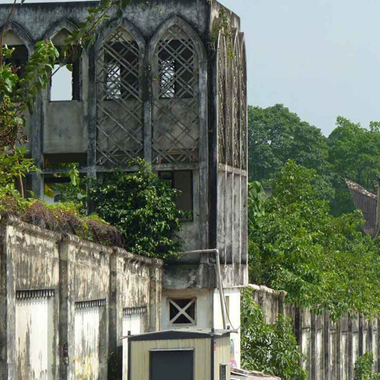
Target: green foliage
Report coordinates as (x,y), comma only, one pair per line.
(363,368)
(317,258)
(272,349)
(142,207)
(354,153)
(276,135)
(13,167)
(73,191)
(351,151)
(18,93)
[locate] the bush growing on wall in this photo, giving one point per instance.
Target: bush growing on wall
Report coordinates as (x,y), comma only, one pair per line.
(143,208)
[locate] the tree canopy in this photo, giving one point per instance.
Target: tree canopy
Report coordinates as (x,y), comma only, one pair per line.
(319,259)
(277,135)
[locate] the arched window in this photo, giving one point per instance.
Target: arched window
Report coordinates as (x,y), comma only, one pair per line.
(175,118)
(119,99)
(20,54)
(65,81)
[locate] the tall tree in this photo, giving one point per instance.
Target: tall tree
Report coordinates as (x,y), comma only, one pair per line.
(316,257)
(277,135)
(354,153)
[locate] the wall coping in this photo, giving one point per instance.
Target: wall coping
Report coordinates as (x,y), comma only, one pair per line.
(264,289)
(11,220)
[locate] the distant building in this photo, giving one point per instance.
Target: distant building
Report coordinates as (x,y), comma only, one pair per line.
(365,201)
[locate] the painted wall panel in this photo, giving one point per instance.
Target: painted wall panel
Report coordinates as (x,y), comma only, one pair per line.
(87,343)
(34,339)
(133,324)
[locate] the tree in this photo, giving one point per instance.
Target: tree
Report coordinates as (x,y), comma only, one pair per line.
(354,153)
(277,135)
(316,257)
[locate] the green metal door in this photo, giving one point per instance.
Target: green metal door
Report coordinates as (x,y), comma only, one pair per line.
(172,365)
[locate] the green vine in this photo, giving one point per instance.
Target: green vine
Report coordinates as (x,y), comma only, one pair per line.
(222,26)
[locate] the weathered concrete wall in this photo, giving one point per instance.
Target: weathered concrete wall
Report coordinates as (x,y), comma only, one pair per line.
(330,348)
(29,299)
(63,302)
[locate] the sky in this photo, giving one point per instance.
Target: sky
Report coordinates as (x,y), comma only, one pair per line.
(320,58)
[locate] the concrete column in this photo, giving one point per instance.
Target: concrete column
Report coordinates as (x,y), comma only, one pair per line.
(362,347)
(92,91)
(63,312)
(7,310)
(36,139)
(326,346)
(350,351)
(112,305)
(313,332)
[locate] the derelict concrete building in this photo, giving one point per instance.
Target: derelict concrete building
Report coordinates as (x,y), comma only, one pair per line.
(165,82)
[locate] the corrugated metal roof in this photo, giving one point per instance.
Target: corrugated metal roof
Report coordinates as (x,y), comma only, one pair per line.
(239,374)
(180,334)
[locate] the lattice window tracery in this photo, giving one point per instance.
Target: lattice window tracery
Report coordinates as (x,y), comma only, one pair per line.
(119,101)
(175,102)
(221,100)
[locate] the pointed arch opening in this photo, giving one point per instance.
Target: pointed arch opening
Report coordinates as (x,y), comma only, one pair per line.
(176,53)
(20,53)
(65,84)
(119,99)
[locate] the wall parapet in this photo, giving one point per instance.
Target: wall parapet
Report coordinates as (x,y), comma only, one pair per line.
(64,299)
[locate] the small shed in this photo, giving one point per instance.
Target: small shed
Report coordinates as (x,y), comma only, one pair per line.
(180,354)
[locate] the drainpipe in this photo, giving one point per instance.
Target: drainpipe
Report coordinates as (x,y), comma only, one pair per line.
(219,279)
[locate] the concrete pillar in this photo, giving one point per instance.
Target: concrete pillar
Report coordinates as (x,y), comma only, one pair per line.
(7,310)
(326,346)
(36,133)
(63,312)
(313,332)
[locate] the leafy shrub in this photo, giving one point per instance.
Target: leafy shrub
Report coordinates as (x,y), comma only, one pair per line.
(272,349)
(363,368)
(298,246)
(142,207)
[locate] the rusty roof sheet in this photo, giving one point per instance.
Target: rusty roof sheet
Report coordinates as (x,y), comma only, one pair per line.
(240,374)
(365,201)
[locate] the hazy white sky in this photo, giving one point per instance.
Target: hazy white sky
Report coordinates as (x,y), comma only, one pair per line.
(320,58)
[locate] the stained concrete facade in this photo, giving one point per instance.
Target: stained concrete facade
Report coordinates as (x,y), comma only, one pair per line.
(63,302)
(166,83)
